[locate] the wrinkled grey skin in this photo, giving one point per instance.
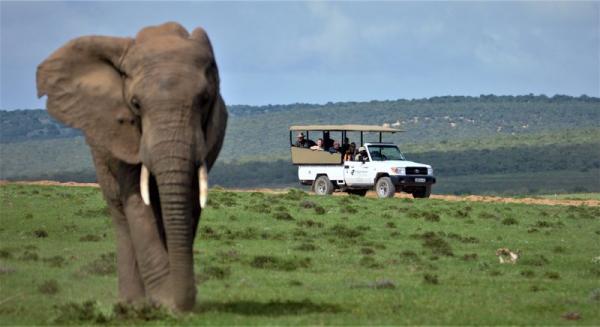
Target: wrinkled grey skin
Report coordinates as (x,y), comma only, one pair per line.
(152,100)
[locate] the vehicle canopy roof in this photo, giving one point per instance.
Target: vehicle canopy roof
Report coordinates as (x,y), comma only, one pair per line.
(353,128)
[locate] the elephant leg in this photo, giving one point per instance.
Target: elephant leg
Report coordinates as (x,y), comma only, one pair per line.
(150,253)
(131,287)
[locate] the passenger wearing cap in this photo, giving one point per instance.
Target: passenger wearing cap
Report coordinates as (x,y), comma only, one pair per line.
(362,154)
(302,142)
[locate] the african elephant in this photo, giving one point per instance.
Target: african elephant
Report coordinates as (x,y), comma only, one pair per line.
(151,111)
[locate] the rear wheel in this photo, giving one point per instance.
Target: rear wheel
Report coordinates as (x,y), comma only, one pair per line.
(357,192)
(323,186)
(385,188)
(422,192)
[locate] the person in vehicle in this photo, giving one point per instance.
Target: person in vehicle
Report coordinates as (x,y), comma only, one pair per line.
(362,154)
(344,146)
(376,155)
(335,148)
(302,142)
(349,154)
(327,141)
(318,146)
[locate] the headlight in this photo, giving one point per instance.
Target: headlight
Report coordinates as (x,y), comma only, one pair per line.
(430,171)
(398,170)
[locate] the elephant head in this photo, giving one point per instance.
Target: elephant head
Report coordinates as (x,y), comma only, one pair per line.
(151,101)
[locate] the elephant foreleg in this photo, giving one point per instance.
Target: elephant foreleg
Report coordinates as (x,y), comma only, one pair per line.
(150,252)
(131,287)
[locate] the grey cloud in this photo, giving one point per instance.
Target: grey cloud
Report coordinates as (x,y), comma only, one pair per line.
(285,52)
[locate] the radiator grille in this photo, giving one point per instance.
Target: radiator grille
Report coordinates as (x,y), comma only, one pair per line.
(416,171)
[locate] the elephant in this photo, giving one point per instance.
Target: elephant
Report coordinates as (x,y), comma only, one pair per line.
(152,114)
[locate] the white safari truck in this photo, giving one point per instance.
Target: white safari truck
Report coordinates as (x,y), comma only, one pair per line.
(377,165)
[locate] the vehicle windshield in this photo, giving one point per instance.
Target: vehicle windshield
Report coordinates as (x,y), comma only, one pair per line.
(385,152)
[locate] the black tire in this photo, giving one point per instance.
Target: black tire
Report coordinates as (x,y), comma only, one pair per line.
(358,192)
(322,186)
(385,188)
(422,193)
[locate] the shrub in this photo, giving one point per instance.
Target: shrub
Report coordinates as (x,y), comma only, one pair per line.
(213,272)
(509,221)
(104,265)
(306,204)
(307,247)
(430,279)
(49,287)
(40,233)
(345,232)
(275,263)
(283,216)
(90,238)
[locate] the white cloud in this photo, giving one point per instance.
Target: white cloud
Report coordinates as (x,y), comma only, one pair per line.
(335,40)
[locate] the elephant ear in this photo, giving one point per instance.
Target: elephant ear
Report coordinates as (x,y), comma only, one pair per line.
(214,130)
(215,120)
(85,91)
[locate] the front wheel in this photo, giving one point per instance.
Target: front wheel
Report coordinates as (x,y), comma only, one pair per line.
(385,188)
(323,186)
(422,192)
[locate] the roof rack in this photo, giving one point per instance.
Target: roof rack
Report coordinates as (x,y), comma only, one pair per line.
(352,128)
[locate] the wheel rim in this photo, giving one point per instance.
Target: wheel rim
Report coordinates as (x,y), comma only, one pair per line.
(321,187)
(383,189)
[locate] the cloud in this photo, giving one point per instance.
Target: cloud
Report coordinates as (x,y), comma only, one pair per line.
(282,52)
(334,42)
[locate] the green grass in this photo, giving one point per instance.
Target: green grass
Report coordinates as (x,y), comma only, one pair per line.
(289,259)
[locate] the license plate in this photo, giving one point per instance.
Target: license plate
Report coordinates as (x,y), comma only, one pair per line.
(420,180)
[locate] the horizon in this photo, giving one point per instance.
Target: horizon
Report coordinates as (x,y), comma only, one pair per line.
(318,52)
(584,96)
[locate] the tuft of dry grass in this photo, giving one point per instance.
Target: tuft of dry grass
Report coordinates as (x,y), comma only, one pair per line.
(49,287)
(277,263)
(431,279)
(106,264)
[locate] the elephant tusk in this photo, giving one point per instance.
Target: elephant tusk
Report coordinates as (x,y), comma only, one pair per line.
(144,187)
(203,184)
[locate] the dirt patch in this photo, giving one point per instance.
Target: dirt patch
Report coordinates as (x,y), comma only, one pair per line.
(469,198)
(49,183)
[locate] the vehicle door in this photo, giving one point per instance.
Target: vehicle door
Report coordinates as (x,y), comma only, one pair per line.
(357,173)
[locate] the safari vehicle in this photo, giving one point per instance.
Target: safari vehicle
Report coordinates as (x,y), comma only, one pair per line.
(382,168)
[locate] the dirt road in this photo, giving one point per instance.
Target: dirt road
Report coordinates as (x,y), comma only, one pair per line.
(468,198)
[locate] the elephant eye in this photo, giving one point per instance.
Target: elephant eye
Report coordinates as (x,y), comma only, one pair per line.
(135,103)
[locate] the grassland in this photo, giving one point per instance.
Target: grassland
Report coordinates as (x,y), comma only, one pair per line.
(291,258)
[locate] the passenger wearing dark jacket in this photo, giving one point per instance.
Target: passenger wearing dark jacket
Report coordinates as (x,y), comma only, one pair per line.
(302,142)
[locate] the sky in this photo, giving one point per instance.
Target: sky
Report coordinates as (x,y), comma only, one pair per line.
(319,52)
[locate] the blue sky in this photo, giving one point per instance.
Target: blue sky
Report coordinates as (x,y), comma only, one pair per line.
(316,52)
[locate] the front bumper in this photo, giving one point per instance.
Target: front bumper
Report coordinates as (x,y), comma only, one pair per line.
(412,180)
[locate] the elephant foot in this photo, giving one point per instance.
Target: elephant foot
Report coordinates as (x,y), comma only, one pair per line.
(177,303)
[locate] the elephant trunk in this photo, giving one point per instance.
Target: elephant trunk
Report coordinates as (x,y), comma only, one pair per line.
(177,183)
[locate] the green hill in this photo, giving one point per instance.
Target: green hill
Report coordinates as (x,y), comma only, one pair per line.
(468,140)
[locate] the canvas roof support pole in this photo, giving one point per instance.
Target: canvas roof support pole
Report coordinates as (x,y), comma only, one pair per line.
(291,143)
(379,137)
(361,138)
